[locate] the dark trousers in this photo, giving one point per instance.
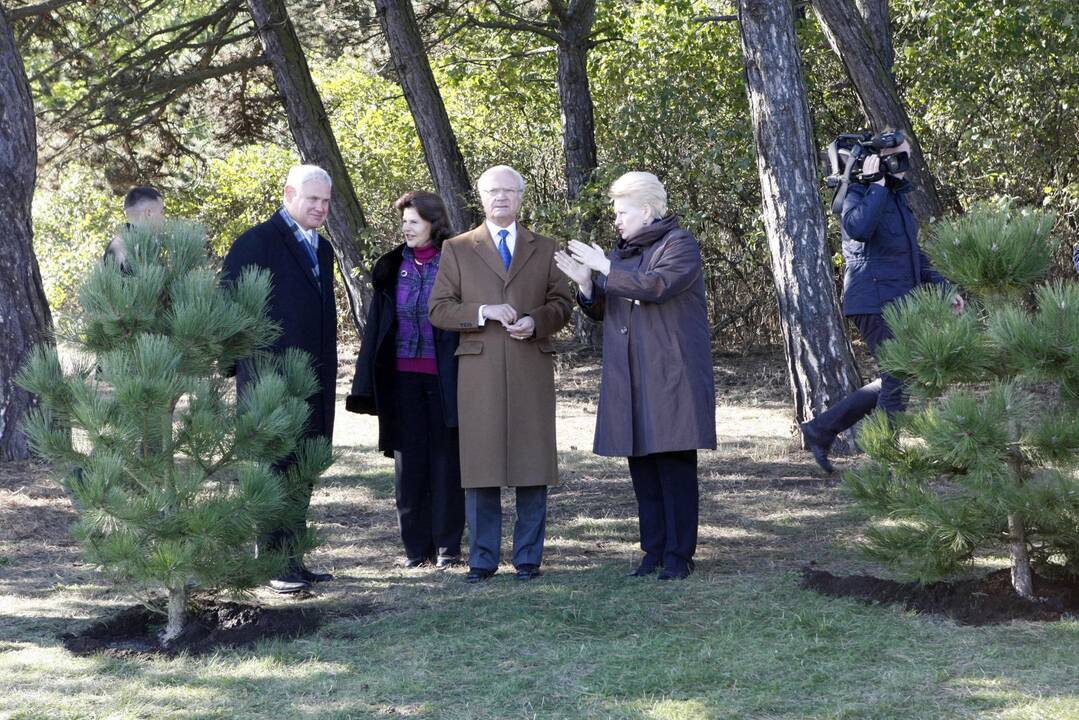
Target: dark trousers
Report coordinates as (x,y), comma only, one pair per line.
(483,507)
(666,488)
(430,502)
(886,392)
(284,537)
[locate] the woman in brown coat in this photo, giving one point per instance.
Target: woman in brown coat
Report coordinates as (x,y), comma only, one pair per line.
(657,397)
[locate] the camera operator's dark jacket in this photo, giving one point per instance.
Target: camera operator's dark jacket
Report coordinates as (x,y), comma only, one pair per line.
(880,248)
(1075,257)
(373,385)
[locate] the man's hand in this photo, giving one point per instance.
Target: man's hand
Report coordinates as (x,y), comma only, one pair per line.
(959,305)
(871,166)
(504,314)
(576,272)
(591,256)
(523,328)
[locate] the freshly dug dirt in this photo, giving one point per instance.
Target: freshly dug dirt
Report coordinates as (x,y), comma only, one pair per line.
(134,631)
(988,600)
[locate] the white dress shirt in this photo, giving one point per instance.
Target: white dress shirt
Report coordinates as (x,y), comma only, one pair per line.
(511,243)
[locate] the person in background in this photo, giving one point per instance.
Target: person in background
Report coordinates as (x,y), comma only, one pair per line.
(657,394)
(142,204)
(883,262)
(406,374)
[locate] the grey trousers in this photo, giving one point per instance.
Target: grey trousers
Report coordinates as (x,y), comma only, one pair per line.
(483,510)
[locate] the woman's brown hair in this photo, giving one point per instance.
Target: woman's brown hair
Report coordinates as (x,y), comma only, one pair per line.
(429,207)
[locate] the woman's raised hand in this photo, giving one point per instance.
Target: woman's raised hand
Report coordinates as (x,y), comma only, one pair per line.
(591,256)
(575,271)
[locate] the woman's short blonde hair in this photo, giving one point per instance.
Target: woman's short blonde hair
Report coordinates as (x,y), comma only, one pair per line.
(642,189)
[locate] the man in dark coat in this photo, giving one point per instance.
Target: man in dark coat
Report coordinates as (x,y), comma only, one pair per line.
(1075,258)
(883,263)
(302,303)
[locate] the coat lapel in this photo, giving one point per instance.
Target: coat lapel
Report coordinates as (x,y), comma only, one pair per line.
(325,269)
(485,248)
(298,253)
(521,253)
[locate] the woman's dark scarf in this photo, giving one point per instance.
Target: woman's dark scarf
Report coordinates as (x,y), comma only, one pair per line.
(646,237)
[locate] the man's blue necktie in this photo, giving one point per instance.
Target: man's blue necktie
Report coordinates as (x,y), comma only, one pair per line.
(503,248)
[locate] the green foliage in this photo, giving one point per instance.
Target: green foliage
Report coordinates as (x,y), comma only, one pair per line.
(939,347)
(993,443)
(171,476)
(230,194)
(997,253)
(73,224)
(992,89)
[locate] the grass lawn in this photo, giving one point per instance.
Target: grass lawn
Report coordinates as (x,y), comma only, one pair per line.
(739,639)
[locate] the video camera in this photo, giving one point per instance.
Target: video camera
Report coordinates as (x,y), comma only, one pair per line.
(847,154)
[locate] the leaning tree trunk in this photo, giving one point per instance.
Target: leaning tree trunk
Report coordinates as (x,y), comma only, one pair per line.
(578,126)
(855,44)
(24,313)
(879,24)
(443,155)
(820,362)
(314,137)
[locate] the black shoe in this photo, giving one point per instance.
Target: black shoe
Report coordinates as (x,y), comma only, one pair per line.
(678,573)
(314,577)
(288,584)
(528,572)
(412,562)
(819,446)
(445,561)
(476,575)
(646,568)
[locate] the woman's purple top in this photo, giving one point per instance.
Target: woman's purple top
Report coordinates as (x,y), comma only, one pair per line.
(415,336)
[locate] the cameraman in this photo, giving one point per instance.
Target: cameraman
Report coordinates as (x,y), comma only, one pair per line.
(883,262)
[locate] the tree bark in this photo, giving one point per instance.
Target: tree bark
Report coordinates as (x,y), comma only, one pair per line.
(879,23)
(575,97)
(578,127)
(24,313)
(176,613)
(440,148)
(878,96)
(820,362)
(317,144)
(1022,580)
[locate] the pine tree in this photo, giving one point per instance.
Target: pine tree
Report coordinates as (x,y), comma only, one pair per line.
(986,458)
(171,476)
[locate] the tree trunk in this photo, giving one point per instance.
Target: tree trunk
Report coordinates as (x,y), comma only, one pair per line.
(878,95)
(879,23)
(1021,576)
(317,145)
(820,362)
(177,614)
(444,159)
(578,127)
(575,98)
(24,313)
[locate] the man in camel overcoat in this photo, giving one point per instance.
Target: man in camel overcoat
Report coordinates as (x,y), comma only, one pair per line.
(499,287)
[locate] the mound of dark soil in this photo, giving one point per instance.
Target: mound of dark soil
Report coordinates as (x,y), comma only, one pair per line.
(987,600)
(214,625)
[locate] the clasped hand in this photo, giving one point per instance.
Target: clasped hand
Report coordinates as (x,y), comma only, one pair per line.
(520,328)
